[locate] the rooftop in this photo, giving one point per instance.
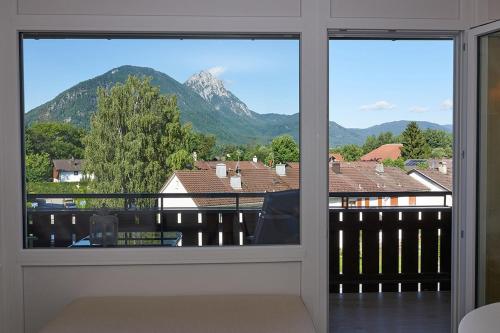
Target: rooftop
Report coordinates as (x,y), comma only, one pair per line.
(388,151)
(353,177)
(68,165)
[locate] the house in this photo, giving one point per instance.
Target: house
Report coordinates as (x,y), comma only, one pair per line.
(335,157)
(225,180)
(230,165)
(359,177)
(436,178)
(344,177)
(70,170)
(388,151)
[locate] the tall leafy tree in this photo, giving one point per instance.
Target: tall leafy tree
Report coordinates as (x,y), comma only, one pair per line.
(438,138)
(373,142)
(284,149)
(136,139)
(351,152)
(414,144)
(397,163)
(57,140)
(203,145)
(38,167)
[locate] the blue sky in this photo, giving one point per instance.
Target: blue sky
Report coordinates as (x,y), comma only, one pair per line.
(371,82)
(262,73)
(377,81)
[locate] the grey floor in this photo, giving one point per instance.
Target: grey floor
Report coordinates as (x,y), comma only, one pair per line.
(409,312)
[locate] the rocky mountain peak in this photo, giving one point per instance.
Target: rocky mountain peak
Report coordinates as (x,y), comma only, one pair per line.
(212,90)
(207,85)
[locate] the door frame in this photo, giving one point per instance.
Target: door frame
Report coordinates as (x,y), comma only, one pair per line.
(470,161)
(459,139)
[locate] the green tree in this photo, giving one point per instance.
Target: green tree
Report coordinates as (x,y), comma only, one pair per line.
(397,163)
(438,153)
(58,140)
(136,138)
(38,167)
(259,151)
(438,138)
(179,160)
(423,165)
(351,152)
(370,144)
(284,149)
(373,142)
(414,144)
(204,146)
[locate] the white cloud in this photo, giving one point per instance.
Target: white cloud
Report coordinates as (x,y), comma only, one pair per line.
(447,104)
(419,109)
(217,70)
(379,105)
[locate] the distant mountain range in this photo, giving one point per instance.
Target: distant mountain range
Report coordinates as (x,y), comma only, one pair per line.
(207,104)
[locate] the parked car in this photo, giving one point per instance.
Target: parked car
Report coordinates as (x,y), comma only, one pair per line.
(70,204)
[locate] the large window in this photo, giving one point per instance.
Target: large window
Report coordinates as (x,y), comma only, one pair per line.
(133,141)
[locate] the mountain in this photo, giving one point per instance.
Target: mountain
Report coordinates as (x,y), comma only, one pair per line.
(398,127)
(359,135)
(204,102)
(213,91)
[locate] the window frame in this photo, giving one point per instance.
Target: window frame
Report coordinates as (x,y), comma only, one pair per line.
(22,35)
(458,283)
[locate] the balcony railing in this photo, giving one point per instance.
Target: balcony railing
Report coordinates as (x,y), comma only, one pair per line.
(373,246)
(387,248)
(144,219)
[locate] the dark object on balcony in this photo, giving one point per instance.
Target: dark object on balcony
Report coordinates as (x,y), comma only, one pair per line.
(103,230)
(279,219)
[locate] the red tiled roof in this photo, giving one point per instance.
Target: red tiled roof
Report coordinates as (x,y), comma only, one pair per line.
(252,181)
(391,151)
(353,177)
(362,177)
(230,165)
(68,165)
(337,157)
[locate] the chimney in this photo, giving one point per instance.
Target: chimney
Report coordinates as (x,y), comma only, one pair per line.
(443,168)
(195,156)
(281,170)
(236,182)
(220,170)
(379,168)
(335,166)
(254,159)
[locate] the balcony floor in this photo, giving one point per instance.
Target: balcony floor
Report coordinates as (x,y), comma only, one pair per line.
(408,312)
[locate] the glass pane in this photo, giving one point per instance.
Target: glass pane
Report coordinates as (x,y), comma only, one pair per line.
(137,141)
(489,166)
(390,177)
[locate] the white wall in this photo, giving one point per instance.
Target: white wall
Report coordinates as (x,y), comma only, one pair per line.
(47,290)
(69,176)
(485,11)
(175,186)
(397,9)
(310,18)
